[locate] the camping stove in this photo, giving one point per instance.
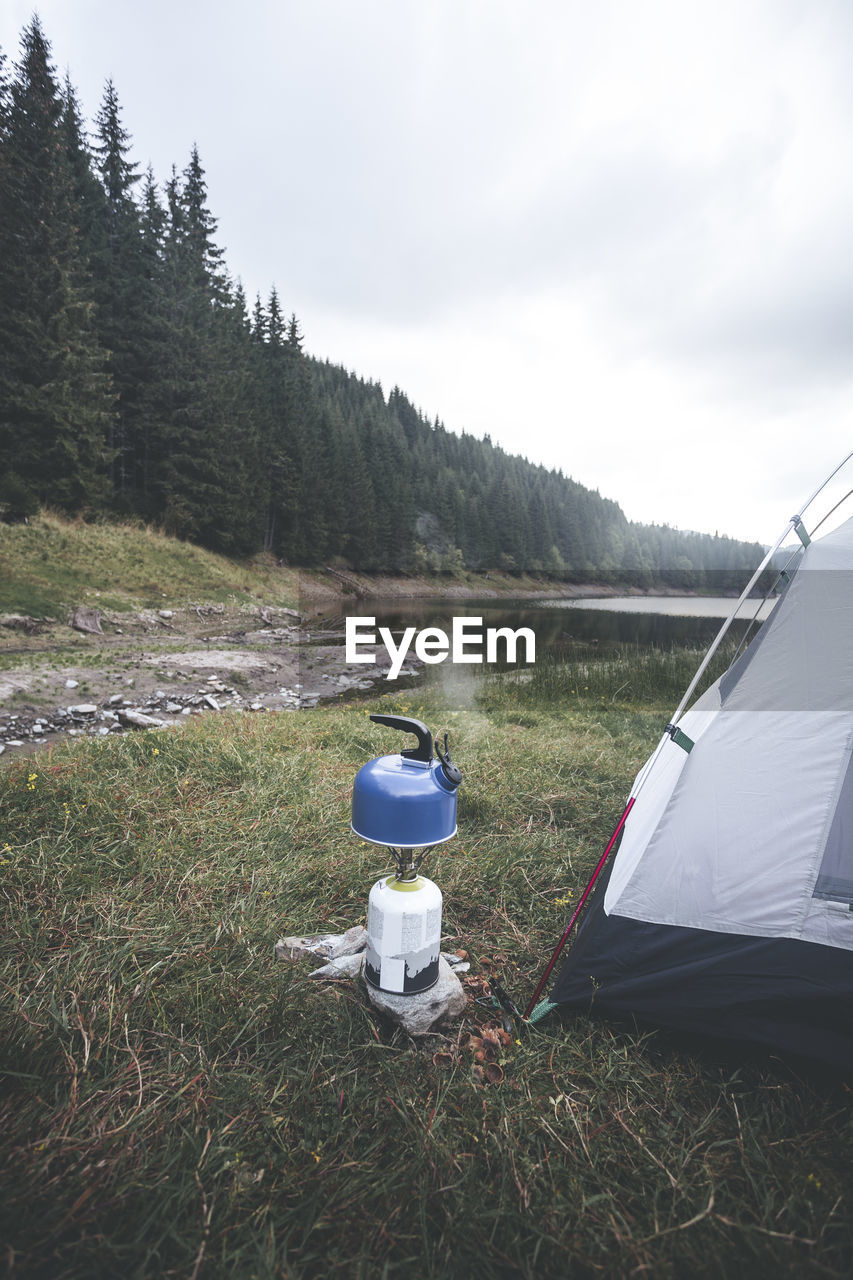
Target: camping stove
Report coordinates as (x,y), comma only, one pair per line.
(406,802)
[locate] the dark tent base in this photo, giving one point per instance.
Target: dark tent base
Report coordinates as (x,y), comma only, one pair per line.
(790,996)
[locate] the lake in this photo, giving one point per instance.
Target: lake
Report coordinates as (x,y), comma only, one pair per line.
(560,625)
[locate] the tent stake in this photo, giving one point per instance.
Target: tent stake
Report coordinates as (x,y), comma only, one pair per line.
(578,909)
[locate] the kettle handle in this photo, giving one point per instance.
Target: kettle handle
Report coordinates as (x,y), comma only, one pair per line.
(423,751)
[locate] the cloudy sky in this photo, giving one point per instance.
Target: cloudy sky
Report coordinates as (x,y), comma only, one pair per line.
(612,235)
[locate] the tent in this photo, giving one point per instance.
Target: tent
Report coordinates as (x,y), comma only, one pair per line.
(728,909)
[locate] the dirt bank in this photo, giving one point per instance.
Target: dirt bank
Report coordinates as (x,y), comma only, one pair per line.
(343,586)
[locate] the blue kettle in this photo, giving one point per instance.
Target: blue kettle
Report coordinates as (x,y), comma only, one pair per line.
(407,801)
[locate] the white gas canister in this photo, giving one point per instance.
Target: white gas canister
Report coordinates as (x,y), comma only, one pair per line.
(403,935)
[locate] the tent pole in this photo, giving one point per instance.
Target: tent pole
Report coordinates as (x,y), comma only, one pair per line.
(578,909)
(793,523)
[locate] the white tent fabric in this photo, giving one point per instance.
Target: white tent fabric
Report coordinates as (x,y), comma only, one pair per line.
(750,833)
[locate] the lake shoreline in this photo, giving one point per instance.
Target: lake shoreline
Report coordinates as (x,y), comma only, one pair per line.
(316,586)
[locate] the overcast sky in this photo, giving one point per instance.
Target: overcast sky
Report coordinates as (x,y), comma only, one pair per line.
(613,235)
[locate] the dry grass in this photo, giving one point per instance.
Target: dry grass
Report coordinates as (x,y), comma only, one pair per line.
(52,563)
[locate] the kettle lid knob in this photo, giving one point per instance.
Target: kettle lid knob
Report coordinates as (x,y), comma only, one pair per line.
(451,771)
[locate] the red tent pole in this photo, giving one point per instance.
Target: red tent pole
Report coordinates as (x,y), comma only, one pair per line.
(578,909)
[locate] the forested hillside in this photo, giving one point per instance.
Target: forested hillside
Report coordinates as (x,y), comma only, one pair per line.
(137,381)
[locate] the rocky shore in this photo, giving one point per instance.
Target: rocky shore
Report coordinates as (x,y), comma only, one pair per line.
(157,669)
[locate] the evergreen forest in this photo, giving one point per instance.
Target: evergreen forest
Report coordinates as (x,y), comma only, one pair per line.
(137,382)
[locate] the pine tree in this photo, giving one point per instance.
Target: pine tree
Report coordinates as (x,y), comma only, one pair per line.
(86,191)
(207,470)
(118,174)
(203,259)
(258,321)
(280,445)
(152,348)
(294,334)
(312,457)
(55,398)
(118,273)
(361,544)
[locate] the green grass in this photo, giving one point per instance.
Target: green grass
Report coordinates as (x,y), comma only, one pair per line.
(53,563)
(178,1103)
(629,675)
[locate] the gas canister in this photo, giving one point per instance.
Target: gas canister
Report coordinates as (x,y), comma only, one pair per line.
(403,934)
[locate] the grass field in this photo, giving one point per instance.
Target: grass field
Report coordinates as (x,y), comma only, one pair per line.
(176,1103)
(52,563)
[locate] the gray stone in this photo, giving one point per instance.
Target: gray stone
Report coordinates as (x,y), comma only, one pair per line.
(419,1013)
(322,946)
(22,622)
(139,720)
(344,953)
(85,619)
(343,967)
(83,709)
